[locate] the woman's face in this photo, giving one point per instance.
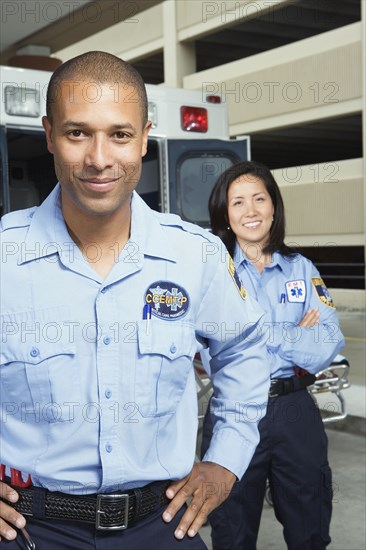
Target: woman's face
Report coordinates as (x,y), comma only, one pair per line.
(250,210)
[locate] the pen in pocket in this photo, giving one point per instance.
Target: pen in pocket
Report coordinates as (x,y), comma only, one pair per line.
(146,316)
(283,298)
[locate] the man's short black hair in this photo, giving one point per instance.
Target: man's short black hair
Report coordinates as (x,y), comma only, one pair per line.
(99,68)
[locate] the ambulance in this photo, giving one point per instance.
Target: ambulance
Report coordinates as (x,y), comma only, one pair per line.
(189,146)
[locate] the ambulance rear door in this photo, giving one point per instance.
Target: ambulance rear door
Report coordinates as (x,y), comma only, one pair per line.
(27,172)
(193,169)
(4,173)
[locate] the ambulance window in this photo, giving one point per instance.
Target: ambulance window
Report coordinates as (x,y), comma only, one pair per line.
(196,178)
(148,186)
(4,184)
(31,168)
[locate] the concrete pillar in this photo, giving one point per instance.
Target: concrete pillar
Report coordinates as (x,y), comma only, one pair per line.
(179,58)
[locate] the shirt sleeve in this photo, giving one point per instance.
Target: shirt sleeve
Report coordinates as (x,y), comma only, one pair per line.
(205,360)
(229,320)
(311,348)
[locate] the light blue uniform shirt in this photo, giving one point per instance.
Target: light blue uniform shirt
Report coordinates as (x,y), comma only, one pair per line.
(286,290)
(95,398)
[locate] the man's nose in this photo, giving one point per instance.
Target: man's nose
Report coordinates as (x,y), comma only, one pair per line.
(98,155)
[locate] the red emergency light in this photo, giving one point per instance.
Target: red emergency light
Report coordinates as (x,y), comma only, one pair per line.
(194,119)
(213,99)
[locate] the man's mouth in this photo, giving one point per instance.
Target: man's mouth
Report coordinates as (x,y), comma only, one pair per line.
(99,185)
(98,181)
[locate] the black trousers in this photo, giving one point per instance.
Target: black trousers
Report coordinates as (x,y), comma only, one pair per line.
(152,533)
(292,455)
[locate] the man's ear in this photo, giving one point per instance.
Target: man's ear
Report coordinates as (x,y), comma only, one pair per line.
(48,129)
(145,135)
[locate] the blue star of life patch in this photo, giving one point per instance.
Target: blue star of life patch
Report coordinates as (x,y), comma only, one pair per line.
(322,291)
(296,291)
(167,300)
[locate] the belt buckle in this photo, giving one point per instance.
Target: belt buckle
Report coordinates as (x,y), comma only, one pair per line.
(271,392)
(99,512)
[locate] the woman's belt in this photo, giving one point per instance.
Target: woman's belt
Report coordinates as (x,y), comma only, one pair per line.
(283,386)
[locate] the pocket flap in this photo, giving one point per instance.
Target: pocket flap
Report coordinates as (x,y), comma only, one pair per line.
(167,339)
(32,341)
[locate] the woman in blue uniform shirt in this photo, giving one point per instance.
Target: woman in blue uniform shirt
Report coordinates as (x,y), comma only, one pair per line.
(303,336)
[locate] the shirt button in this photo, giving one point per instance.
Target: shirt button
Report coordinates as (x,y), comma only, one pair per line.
(108,393)
(108,448)
(173,348)
(106,340)
(34,352)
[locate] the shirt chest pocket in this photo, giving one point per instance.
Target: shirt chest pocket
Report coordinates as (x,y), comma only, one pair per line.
(288,313)
(164,361)
(39,377)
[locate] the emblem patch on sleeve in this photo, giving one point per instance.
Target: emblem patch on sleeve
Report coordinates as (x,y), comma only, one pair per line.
(296,291)
(167,299)
(235,277)
(322,291)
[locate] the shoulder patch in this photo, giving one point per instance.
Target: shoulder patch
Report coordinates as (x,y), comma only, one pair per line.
(322,291)
(236,279)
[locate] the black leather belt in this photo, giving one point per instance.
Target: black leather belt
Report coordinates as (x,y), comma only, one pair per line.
(283,386)
(115,511)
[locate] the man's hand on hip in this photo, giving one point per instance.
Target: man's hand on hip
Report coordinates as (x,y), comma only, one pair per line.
(7,513)
(208,485)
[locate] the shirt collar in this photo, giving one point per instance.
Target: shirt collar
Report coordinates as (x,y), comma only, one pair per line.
(283,262)
(147,231)
(41,240)
(48,234)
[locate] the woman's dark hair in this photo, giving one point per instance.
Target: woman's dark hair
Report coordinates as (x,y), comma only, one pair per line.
(218,207)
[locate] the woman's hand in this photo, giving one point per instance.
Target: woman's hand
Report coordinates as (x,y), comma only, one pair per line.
(310,318)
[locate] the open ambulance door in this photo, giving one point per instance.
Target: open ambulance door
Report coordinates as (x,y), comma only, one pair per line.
(27,168)
(193,169)
(4,173)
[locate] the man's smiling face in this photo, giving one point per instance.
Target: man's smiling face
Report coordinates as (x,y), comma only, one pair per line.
(98,144)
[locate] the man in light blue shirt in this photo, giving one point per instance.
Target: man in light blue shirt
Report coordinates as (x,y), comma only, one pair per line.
(104,305)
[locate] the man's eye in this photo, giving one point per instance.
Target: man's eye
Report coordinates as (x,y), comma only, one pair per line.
(75,133)
(120,135)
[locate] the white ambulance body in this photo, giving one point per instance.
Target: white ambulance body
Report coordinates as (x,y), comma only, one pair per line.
(189,146)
